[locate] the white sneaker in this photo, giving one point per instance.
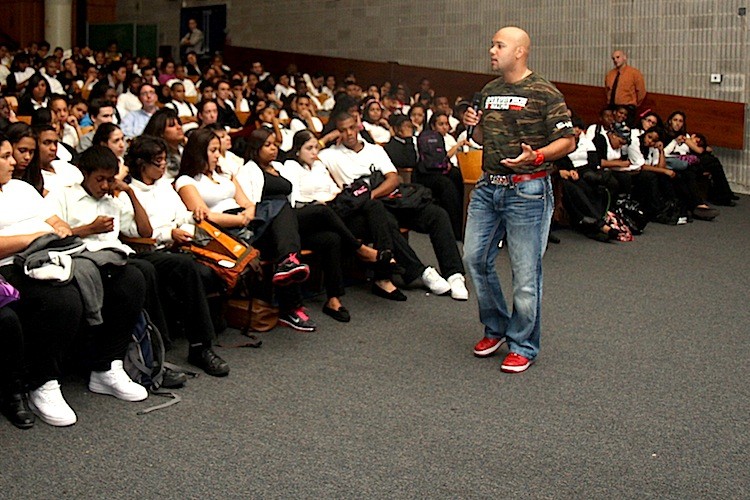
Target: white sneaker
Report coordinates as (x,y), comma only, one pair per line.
(458,287)
(116,382)
(435,282)
(48,403)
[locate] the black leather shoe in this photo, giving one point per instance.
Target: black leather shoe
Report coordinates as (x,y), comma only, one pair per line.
(16,408)
(208,361)
(396,294)
(173,379)
(341,315)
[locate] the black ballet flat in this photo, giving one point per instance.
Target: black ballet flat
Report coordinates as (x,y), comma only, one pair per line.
(396,294)
(342,314)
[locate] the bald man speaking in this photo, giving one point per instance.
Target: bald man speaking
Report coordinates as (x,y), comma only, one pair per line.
(523,124)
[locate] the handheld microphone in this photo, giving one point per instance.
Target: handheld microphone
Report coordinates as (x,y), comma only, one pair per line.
(475,103)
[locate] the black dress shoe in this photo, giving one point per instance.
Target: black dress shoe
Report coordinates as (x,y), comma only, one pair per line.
(396,294)
(206,359)
(173,379)
(16,408)
(342,314)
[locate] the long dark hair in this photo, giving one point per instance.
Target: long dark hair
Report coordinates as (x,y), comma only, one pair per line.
(671,132)
(195,155)
(254,142)
(101,136)
(141,152)
(159,121)
(33,173)
(300,138)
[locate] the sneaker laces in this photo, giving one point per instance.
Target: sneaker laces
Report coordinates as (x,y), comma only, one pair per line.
(302,314)
(293,258)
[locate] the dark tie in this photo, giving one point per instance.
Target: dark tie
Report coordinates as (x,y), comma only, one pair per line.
(614,89)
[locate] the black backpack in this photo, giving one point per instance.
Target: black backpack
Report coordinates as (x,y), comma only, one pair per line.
(432,155)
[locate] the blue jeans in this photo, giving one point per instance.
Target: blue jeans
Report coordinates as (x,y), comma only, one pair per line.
(522,214)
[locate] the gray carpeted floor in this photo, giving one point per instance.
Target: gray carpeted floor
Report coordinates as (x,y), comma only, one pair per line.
(641,390)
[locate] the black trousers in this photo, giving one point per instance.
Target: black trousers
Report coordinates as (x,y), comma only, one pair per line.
(323,231)
(434,221)
(373,222)
(585,204)
(51,316)
(720,191)
(12,359)
(183,295)
(448,192)
(124,297)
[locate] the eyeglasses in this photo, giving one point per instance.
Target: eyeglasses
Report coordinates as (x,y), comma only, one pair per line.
(158,162)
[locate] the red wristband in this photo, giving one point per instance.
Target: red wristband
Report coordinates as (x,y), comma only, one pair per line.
(539,158)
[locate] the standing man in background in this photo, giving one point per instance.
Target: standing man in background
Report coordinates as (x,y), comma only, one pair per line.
(194,40)
(523,125)
(624,85)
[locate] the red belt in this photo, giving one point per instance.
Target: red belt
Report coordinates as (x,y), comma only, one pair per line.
(512,180)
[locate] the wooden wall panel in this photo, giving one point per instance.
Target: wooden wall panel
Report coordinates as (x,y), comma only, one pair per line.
(23,20)
(101,11)
(722,122)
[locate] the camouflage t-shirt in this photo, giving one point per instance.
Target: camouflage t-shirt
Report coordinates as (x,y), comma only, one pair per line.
(532,111)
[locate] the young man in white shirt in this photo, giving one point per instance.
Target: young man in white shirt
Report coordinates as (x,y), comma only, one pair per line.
(353,158)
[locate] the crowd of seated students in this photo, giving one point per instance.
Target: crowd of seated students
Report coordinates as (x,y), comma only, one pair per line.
(119,146)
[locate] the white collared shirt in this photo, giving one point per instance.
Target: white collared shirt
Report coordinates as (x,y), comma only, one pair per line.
(65,175)
(22,211)
(164,207)
(309,185)
(345,165)
(216,191)
(78,208)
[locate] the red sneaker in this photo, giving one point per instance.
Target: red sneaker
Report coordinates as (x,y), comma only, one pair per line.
(487,346)
(515,363)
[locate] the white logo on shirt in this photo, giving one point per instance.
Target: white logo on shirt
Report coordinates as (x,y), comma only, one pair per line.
(562,125)
(506,102)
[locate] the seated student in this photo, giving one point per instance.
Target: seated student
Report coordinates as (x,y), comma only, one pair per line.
(585,199)
(180,76)
(135,121)
(443,104)
(180,277)
(166,125)
(605,123)
(354,158)
(187,112)
(100,111)
(202,186)
(267,117)
(417,115)
(7,116)
(50,312)
(686,154)
(35,96)
(303,116)
(78,109)
(208,112)
(21,71)
(319,227)
(229,162)
(56,173)
(402,148)
(374,122)
(238,99)
(225,107)
(123,286)
(349,105)
(284,87)
(110,135)
(23,140)
(312,184)
(720,193)
(128,101)
(436,170)
(70,132)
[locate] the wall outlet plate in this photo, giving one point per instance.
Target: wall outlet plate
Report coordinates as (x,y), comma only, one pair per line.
(715,77)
